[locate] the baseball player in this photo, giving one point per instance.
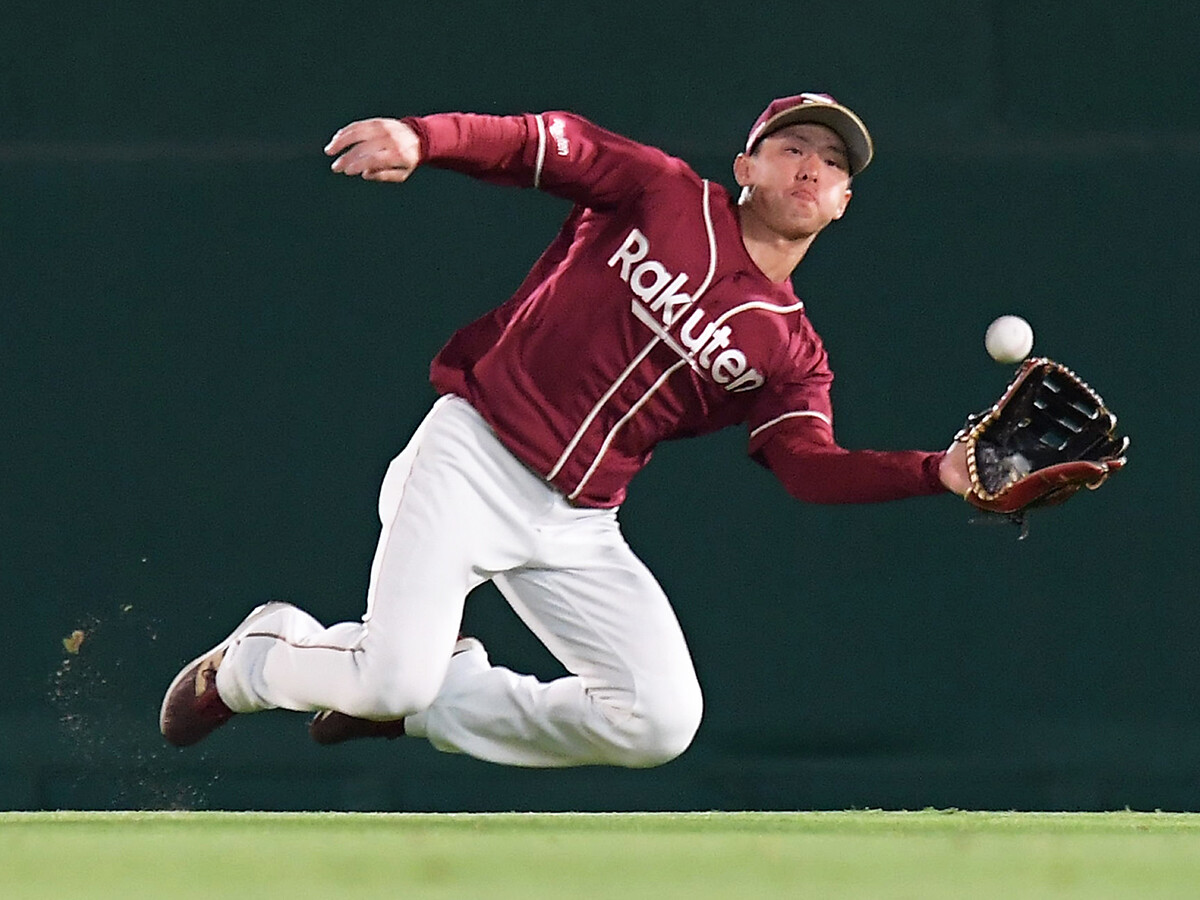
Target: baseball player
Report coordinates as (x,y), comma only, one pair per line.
(663,309)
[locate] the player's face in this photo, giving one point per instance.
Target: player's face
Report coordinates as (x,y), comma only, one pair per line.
(798,180)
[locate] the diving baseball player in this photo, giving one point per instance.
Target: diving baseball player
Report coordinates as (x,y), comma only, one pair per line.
(663,309)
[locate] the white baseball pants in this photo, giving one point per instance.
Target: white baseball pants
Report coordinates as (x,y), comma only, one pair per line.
(457,508)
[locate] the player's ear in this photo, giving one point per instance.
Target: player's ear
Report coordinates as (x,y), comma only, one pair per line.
(741,169)
(841,211)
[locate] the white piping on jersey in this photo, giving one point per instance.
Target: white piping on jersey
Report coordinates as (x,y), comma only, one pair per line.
(604,398)
(759,304)
(810,413)
(608,438)
(541,151)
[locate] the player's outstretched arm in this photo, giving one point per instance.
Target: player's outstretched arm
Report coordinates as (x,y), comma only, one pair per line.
(812,467)
(376,149)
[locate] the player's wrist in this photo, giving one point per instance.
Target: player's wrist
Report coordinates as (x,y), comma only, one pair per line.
(952,469)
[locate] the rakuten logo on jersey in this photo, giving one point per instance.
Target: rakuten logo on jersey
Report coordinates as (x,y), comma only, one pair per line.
(660,303)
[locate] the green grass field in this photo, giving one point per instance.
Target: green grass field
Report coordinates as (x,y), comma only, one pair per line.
(867,854)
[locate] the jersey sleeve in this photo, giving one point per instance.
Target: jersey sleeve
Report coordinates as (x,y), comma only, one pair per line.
(813,468)
(561,153)
(796,395)
(791,434)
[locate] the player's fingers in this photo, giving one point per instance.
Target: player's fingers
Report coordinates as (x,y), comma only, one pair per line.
(375,145)
(392,131)
(341,139)
(392,176)
(353,133)
(367,155)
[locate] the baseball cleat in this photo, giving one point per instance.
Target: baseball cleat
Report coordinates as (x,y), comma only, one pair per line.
(330,727)
(192,709)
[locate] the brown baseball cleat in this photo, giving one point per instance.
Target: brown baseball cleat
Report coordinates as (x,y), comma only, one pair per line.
(329,727)
(192,709)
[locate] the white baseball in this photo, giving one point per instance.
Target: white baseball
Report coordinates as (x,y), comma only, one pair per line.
(1009,339)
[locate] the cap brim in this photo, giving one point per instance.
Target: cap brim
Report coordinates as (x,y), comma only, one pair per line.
(842,121)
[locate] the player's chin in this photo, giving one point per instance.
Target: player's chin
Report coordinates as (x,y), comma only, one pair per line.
(799,230)
(797,224)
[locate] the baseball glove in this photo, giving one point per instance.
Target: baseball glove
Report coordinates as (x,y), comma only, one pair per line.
(1047,436)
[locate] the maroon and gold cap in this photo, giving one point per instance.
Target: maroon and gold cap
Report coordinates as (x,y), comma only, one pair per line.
(824,110)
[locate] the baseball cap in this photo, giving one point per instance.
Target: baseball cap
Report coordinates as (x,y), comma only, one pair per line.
(824,110)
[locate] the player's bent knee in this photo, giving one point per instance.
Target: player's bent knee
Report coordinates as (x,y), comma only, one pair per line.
(662,729)
(387,691)
(395,701)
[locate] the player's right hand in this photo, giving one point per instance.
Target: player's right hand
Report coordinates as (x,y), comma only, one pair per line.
(376,149)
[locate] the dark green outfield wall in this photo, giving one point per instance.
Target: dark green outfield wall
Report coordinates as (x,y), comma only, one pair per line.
(210,348)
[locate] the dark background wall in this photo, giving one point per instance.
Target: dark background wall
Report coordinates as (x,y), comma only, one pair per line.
(210,347)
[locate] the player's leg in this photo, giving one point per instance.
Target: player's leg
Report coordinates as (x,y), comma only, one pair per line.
(632,697)
(446,526)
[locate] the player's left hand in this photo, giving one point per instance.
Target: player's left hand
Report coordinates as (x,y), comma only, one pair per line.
(1048,436)
(376,149)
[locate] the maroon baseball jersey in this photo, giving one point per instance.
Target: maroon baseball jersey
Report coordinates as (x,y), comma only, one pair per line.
(644,320)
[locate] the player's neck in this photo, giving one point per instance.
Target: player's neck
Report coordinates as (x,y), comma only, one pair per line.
(775,255)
